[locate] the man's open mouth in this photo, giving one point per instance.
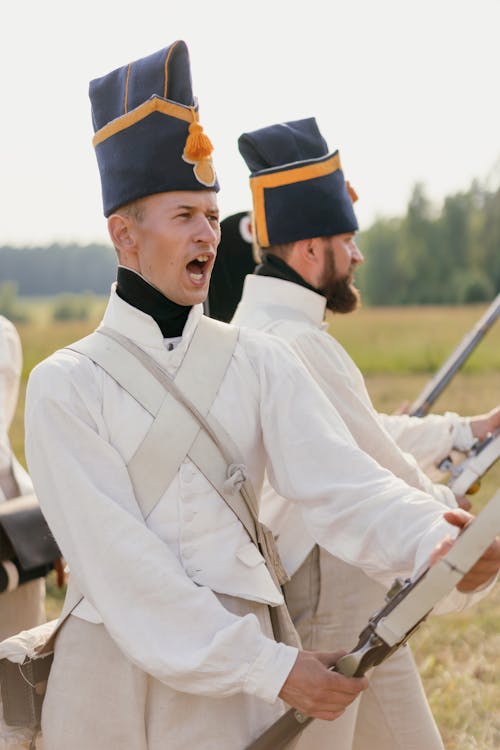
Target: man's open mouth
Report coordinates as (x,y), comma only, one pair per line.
(196,268)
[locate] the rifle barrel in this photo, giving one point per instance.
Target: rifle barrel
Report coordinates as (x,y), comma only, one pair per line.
(283,731)
(438,383)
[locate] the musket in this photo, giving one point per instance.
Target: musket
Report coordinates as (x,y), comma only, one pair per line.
(465,476)
(408,603)
(440,380)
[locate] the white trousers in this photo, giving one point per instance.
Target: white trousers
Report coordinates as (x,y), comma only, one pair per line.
(98,700)
(330,603)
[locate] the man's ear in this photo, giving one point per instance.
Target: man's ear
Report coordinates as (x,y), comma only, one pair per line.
(305,258)
(306,252)
(121,233)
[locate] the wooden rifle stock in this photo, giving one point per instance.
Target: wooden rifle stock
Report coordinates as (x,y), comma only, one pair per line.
(438,383)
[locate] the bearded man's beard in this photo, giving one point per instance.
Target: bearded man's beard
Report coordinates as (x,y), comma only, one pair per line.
(341,294)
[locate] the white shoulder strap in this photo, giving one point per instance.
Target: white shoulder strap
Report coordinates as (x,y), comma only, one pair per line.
(214,453)
(196,435)
(202,370)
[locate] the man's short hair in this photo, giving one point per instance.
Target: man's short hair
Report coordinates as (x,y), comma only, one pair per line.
(134,209)
(282,250)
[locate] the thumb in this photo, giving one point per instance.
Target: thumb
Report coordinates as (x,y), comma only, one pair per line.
(463,502)
(328,658)
(458,517)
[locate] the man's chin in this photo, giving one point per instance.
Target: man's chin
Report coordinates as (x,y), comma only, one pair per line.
(343,298)
(197,297)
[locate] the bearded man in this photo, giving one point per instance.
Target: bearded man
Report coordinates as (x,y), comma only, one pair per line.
(305,228)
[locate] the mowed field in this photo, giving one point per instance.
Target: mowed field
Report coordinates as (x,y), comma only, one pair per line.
(398,349)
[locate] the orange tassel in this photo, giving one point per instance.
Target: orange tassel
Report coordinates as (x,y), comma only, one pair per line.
(198,145)
(352,193)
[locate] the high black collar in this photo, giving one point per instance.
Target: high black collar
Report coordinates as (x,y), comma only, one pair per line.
(278,269)
(134,289)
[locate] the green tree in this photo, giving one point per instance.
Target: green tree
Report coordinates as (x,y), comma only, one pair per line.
(381,278)
(9,305)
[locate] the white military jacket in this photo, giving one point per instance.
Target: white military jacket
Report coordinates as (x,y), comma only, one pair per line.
(151,583)
(296,314)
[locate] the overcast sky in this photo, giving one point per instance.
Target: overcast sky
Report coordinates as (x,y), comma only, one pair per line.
(407,91)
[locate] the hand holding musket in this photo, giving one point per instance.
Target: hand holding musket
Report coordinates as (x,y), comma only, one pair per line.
(471,560)
(465,476)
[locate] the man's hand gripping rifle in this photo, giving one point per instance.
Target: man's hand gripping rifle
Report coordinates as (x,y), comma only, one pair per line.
(408,603)
(465,476)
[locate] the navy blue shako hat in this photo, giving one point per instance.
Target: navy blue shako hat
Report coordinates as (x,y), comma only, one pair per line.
(147,135)
(298,187)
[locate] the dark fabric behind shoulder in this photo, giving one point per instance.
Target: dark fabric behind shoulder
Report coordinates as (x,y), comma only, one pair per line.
(234,262)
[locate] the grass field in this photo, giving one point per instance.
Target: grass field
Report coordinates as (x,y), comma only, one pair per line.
(398,349)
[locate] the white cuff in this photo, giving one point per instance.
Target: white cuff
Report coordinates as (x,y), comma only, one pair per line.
(463,439)
(445,495)
(267,674)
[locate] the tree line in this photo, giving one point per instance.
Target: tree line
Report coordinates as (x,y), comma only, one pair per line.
(54,269)
(449,255)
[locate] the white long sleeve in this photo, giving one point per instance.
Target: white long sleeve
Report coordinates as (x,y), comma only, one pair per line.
(430,439)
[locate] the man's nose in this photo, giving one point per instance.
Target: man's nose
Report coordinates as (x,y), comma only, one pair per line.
(356,254)
(206,231)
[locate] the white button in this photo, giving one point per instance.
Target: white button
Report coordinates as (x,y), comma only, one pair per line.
(191,571)
(187,475)
(189,516)
(187,552)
